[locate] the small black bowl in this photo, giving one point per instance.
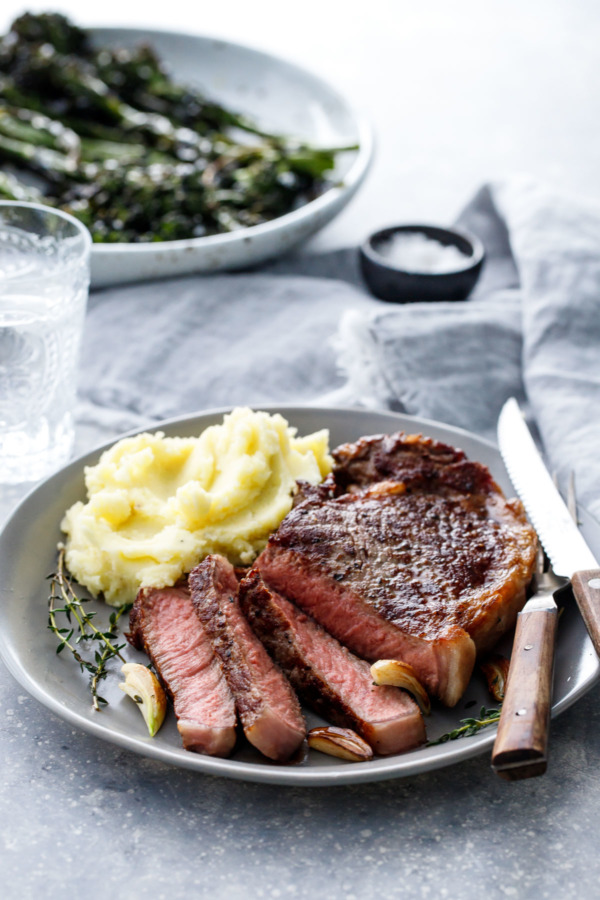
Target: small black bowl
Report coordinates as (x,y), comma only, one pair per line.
(388,281)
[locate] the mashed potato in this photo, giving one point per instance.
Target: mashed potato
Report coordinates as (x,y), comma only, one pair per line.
(157,505)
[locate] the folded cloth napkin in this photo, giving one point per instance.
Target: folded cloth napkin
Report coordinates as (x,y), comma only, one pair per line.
(305,330)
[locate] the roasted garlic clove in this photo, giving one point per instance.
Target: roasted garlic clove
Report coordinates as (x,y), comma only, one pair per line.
(399,674)
(341,742)
(145,689)
(495,670)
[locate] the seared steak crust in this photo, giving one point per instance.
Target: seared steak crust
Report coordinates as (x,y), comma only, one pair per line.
(416,461)
(266,704)
(417,557)
(164,624)
(427,567)
(328,678)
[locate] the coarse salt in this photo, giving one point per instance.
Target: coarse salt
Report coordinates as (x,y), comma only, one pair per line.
(415,252)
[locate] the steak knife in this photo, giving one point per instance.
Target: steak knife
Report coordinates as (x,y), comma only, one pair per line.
(520,750)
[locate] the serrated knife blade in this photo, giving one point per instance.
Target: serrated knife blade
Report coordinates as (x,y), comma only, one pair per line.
(548,513)
(559,535)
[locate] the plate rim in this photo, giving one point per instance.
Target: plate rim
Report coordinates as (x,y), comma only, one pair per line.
(350,183)
(396,766)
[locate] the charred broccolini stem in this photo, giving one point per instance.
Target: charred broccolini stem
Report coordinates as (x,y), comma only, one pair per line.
(51,28)
(12,189)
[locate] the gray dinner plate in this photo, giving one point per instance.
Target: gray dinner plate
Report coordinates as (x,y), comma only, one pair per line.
(280,97)
(28,554)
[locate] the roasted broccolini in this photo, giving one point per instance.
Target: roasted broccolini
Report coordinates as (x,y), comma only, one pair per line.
(107,135)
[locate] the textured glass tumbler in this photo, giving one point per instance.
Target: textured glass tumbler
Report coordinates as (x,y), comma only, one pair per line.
(44,280)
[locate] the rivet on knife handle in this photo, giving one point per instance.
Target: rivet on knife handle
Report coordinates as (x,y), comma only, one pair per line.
(520,750)
(586,587)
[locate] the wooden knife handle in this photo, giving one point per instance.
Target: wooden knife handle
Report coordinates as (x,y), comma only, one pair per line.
(521,743)
(586,587)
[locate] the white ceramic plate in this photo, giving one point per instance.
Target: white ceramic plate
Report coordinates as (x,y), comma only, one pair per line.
(280,97)
(28,554)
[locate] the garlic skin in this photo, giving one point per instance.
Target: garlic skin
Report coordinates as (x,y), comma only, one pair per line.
(399,674)
(147,693)
(495,671)
(342,743)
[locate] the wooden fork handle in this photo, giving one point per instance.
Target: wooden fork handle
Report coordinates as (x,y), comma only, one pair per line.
(520,750)
(586,587)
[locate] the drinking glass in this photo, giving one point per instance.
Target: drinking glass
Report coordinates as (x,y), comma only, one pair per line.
(44,280)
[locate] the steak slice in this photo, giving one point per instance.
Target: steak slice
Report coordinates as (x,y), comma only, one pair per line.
(330,679)
(430,567)
(163,622)
(266,704)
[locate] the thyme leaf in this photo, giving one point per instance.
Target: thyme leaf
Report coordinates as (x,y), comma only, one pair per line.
(470,726)
(91,647)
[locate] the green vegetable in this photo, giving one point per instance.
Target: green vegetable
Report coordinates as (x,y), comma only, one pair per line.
(470,726)
(71,623)
(107,135)
(12,189)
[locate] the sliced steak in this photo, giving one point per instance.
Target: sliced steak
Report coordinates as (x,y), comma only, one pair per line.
(430,567)
(163,622)
(330,679)
(266,703)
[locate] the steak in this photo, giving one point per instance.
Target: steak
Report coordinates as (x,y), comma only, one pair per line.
(163,622)
(328,678)
(266,704)
(414,460)
(409,551)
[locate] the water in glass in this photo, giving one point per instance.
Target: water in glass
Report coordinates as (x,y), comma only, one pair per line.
(43,292)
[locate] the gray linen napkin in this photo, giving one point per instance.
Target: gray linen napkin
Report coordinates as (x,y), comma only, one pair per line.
(174,347)
(304,329)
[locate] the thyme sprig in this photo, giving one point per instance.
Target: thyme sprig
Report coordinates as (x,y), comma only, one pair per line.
(470,726)
(81,631)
